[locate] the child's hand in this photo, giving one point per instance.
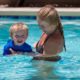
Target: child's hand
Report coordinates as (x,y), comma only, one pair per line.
(12,51)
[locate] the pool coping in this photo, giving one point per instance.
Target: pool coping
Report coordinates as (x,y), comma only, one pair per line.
(29,11)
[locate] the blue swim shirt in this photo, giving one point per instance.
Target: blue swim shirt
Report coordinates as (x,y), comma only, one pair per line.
(10,44)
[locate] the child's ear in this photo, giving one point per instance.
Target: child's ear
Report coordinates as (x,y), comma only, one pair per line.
(27,34)
(11,36)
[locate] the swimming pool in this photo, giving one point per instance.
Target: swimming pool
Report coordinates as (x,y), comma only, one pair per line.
(20,67)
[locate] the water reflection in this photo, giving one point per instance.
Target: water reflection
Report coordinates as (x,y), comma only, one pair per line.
(45,70)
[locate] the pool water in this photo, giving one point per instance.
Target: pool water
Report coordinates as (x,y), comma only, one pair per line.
(21,67)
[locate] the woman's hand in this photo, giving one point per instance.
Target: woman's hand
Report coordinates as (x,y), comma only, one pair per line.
(35,45)
(47,57)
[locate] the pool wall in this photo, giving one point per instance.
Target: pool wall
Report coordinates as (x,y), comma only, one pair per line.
(33,11)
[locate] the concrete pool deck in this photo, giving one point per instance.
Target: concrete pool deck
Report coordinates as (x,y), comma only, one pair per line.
(33,11)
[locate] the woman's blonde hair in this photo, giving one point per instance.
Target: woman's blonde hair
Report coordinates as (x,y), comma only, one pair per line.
(49,14)
(18,26)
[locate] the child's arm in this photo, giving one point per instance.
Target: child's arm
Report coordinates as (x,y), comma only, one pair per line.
(12,51)
(24,53)
(6,50)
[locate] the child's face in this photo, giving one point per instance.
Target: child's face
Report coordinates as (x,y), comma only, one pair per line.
(19,37)
(46,27)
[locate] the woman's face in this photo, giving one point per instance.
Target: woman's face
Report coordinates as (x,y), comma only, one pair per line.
(46,27)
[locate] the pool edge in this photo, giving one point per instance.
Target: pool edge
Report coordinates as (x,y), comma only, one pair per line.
(27,11)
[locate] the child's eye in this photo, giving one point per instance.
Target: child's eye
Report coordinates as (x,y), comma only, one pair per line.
(22,36)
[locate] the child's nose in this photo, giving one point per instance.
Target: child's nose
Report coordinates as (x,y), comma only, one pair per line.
(19,38)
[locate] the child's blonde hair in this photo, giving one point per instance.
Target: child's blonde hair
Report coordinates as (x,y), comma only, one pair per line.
(17,27)
(49,14)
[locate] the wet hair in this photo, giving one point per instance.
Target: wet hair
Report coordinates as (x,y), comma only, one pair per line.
(62,33)
(49,14)
(17,27)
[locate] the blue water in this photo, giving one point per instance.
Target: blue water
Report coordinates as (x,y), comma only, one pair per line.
(21,67)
